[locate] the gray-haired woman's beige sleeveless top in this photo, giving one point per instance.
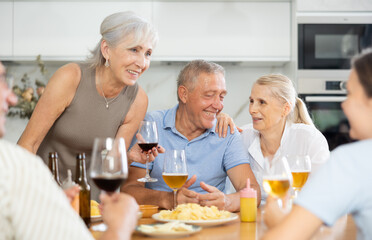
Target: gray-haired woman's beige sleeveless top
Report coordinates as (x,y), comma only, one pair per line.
(83,120)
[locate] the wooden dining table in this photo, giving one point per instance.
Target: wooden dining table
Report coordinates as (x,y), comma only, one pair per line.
(343,229)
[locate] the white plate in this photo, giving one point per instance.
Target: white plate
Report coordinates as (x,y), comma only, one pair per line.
(195,229)
(99,217)
(99,227)
(203,223)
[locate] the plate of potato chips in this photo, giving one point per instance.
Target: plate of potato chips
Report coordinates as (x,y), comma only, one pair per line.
(168,230)
(195,214)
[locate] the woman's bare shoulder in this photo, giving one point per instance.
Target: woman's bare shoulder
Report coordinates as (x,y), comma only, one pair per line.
(70,71)
(66,77)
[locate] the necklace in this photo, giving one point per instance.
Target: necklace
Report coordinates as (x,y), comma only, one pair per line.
(107,102)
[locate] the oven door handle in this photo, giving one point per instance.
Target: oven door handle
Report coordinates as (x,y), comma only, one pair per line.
(325,99)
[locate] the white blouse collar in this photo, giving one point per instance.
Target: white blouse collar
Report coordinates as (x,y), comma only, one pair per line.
(255,148)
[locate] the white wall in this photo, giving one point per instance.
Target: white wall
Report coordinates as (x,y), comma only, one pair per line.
(159,82)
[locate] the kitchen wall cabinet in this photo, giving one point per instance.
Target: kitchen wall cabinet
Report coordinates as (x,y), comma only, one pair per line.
(6,28)
(226,31)
(63,30)
(334,5)
(251,31)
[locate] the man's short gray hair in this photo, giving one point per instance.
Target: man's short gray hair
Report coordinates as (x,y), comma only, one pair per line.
(190,73)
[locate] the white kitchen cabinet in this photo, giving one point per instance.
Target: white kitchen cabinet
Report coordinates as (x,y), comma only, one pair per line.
(63,30)
(226,31)
(6,29)
(251,31)
(334,5)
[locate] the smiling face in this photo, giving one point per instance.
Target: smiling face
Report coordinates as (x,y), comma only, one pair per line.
(128,63)
(267,111)
(205,100)
(358,109)
(7,98)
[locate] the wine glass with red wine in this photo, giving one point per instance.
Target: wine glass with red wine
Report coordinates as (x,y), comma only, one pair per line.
(109,168)
(147,138)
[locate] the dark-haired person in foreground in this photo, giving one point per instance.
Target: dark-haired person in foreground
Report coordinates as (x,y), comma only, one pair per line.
(32,205)
(342,185)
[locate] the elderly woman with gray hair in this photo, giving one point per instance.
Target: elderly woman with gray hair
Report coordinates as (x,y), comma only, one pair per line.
(280,125)
(96,98)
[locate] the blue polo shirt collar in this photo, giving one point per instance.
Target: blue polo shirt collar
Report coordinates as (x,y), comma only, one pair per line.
(170,122)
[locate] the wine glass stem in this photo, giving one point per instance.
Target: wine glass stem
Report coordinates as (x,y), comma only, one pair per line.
(280,203)
(296,190)
(147,168)
(174,198)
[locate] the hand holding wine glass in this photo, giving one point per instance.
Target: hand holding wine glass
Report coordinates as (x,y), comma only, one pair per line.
(109,167)
(277,178)
(175,171)
(147,138)
(300,166)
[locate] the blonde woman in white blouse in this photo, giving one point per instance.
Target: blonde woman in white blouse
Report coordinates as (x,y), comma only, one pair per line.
(280,125)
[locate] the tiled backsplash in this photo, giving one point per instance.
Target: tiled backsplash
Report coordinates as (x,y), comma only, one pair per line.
(159,82)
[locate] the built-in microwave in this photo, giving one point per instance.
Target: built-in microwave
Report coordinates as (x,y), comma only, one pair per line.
(329,42)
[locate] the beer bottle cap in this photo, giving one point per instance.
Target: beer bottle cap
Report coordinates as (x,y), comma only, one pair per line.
(248,192)
(80,155)
(53,155)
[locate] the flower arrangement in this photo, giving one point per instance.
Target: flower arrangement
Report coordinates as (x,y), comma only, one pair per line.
(25,92)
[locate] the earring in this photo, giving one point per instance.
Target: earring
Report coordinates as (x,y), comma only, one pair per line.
(107,64)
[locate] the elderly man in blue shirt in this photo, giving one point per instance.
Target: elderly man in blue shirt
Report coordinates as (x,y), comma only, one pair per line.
(190,125)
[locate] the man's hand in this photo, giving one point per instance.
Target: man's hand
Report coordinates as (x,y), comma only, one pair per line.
(214,197)
(184,195)
(119,212)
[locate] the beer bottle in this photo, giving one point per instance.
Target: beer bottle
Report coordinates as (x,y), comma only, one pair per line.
(84,195)
(53,166)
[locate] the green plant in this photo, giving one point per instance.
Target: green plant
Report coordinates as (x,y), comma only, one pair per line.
(28,93)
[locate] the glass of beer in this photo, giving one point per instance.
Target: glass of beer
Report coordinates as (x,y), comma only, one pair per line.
(175,170)
(300,166)
(277,178)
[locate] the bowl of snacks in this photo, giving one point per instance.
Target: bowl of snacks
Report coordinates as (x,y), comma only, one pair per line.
(148,210)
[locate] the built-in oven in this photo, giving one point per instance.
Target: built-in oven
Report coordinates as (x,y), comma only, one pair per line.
(328,117)
(323,92)
(326,44)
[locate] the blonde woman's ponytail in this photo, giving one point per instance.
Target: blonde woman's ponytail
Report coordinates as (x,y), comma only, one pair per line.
(300,113)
